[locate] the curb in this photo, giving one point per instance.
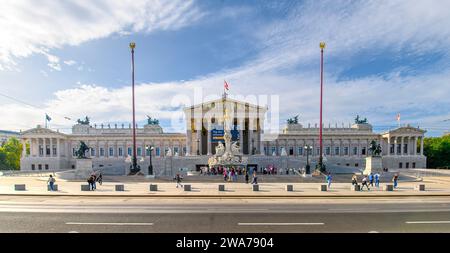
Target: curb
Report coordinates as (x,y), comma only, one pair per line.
(228,196)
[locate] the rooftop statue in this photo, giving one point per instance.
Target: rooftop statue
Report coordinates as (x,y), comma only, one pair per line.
(83,122)
(360,121)
(151,121)
(293,120)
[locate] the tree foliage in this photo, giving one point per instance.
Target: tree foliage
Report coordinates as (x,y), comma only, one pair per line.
(437,151)
(10,153)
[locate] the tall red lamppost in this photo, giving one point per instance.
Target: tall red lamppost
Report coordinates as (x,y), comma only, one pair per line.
(321,166)
(134,168)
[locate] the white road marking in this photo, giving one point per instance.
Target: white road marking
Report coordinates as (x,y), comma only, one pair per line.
(73,232)
(373,232)
(109,224)
(429,222)
(279,224)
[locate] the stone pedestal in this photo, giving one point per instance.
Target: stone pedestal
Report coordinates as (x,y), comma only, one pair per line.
(187,187)
(389,187)
(420,187)
(373,165)
(83,168)
(289,188)
(19,187)
(356,187)
(55,187)
(255,187)
(221,187)
(119,187)
(323,188)
(153,187)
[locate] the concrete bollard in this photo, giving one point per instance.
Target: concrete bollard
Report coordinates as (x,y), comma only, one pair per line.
(85,187)
(221,187)
(355,188)
(19,187)
(289,188)
(389,187)
(323,188)
(255,187)
(119,187)
(55,187)
(153,187)
(420,187)
(187,187)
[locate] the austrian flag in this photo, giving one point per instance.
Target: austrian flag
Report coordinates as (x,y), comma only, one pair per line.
(225,85)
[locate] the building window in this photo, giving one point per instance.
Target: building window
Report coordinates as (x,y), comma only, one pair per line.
(41,150)
(139,151)
(348,164)
(300,151)
(291,151)
(327,150)
(400,165)
(407,165)
(414,165)
(47,150)
(102,152)
(92,151)
(120,152)
(317,151)
(345,150)
(363,151)
(33,167)
(391,150)
(184,150)
(175,150)
(356,164)
(157,151)
(54,150)
(336,150)
(355,150)
(399,148)
(111,151)
(46,166)
(39,166)
(274,151)
(405,148)
(129,151)
(73,152)
(147,150)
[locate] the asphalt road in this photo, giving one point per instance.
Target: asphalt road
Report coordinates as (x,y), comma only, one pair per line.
(37,216)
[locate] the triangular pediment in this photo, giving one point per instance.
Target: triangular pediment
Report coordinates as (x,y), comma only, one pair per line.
(212,103)
(407,130)
(41,131)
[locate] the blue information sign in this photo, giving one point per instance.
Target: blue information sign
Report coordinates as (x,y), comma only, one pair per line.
(217,135)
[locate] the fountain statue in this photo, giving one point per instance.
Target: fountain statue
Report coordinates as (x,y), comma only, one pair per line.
(228,154)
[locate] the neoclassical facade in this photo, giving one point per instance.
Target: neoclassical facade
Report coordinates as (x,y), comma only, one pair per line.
(111,145)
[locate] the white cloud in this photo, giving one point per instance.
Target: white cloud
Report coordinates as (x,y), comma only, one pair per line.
(70,62)
(29,27)
(420,28)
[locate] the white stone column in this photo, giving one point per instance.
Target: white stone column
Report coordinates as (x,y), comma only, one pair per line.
(261,145)
(241,135)
(199,139)
(188,141)
(24,148)
(45,147)
(359,148)
(395,146)
(51,147)
(421,145)
(401,146)
(414,145)
(58,147)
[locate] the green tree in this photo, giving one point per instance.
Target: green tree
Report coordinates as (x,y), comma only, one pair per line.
(10,153)
(437,151)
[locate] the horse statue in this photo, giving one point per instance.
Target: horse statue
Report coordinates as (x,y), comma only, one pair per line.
(83,122)
(375,148)
(81,152)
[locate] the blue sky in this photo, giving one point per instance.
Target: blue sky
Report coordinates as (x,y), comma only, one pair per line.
(71,59)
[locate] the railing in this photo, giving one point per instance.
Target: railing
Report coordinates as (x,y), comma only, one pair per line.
(420,173)
(14,173)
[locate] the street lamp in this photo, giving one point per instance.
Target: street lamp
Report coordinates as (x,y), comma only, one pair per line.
(150,167)
(198,146)
(307,148)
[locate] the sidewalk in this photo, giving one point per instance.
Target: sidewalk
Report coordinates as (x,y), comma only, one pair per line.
(36,186)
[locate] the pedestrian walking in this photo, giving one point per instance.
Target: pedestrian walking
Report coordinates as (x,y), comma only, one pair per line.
(354,180)
(90,181)
(371,179)
(51,181)
(178,179)
(100,179)
(395,179)
(329,178)
(94,180)
(364,183)
(255,178)
(377,180)
(246,178)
